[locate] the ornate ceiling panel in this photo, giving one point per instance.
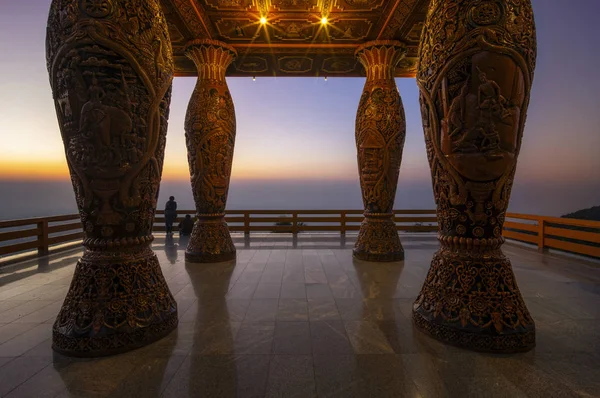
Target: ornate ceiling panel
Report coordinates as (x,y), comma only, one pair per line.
(294,42)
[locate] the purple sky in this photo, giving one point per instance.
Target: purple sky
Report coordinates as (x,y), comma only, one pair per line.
(304,127)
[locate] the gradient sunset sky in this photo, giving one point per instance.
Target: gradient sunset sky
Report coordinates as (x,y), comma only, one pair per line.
(303,128)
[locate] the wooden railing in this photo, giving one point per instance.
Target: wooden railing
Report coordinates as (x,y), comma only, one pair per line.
(565,234)
(309,220)
(39,235)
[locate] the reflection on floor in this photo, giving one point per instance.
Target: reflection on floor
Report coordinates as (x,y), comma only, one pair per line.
(301,318)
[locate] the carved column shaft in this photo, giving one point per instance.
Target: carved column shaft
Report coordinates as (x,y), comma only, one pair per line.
(111,67)
(475,71)
(210,139)
(380,133)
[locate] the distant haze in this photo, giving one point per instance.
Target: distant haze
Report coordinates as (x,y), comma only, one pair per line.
(43,198)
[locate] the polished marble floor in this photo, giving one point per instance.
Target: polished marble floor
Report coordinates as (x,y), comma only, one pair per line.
(301,318)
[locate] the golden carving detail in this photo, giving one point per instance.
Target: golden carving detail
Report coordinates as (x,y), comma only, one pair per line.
(401,13)
(210,137)
(414,34)
(338,65)
(295,64)
(251,64)
(380,134)
(293,29)
(263,7)
(229,4)
(238,29)
(325,7)
(351,30)
(476,66)
(359,5)
(294,5)
(111,67)
(194,17)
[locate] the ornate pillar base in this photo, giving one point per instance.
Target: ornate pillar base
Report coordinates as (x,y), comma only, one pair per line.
(117,301)
(470,299)
(210,241)
(378,239)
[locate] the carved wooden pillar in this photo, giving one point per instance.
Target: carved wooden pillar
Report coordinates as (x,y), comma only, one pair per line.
(210,137)
(476,67)
(380,133)
(111,68)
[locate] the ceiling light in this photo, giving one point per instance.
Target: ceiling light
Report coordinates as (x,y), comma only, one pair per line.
(263,20)
(324,21)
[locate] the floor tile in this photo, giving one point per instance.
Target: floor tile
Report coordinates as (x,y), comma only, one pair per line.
(292,310)
(19,370)
(300,317)
(329,337)
(323,310)
(255,338)
(291,376)
(292,338)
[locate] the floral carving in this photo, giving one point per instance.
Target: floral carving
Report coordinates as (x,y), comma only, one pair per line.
(474,74)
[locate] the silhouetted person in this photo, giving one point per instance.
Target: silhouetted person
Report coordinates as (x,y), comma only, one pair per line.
(170,214)
(186,226)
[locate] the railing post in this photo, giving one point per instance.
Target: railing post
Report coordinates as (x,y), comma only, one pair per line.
(343,223)
(295,223)
(541,233)
(42,237)
(246,223)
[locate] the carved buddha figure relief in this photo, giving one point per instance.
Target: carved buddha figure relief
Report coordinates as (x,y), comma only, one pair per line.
(370,156)
(480,127)
(292,31)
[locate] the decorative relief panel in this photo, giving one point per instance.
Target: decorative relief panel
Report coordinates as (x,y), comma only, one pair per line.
(238,29)
(295,29)
(176,37)
(295,64)
(414,34)
(251,65)
(401,14)
(348,29)
(359,5)
(194,21)
(237,5)
(335,65)
(294,5)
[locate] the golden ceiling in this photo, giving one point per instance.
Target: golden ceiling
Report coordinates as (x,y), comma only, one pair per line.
(294,41)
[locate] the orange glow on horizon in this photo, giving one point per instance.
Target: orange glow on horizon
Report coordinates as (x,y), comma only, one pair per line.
(175,169)
(34,169)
